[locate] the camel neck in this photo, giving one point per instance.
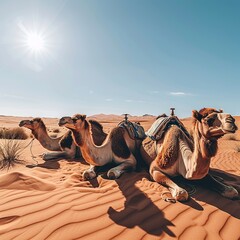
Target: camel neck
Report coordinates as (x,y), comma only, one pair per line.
(49,143)
(93,154)
(199,162)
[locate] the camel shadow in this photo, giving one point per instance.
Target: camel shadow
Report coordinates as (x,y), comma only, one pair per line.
(54,163)
(48,164)
(213,198)
(139,210)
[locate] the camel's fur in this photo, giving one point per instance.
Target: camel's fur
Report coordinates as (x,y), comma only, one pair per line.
(118,147)
(178,154)
(63,146)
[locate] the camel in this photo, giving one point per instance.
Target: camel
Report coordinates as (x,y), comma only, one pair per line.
(63,146)
(178,153)
(119,147)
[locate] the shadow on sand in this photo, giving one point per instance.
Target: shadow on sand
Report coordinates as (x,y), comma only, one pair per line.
(139,210)
(54,163)
(215,199)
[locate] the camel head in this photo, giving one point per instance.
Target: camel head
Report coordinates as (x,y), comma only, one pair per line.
(34,124)
(214,123)
(77,121)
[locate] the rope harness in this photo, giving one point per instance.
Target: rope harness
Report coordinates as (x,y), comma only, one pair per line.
(32,156)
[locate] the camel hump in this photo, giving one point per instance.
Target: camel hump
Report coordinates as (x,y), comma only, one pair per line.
(162,124)
(135,130)
(67,140)
(119,145)
(96,124)
(169,153)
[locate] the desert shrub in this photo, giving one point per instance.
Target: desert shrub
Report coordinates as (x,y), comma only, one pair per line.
(13,133)
(10,152)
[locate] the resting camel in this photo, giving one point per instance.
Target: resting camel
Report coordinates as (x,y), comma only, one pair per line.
(63,145)
(119,147)
(177,153)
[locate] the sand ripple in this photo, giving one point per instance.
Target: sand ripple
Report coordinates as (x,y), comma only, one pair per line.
(52,201)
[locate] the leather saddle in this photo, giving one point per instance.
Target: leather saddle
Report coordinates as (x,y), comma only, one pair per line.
(162,124)
(135,130)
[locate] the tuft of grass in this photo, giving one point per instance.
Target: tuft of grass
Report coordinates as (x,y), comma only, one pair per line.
(13,133)
(10,147)
(10,152)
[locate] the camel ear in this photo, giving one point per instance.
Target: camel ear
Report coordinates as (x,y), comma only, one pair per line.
(84,117)
(197,115)
(221,110)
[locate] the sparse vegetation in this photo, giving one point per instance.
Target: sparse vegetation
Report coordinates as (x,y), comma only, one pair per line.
(13,133)
(10,151)
(11,147)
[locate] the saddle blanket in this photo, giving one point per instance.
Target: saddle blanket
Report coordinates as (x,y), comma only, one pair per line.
(160,126)
(135,130)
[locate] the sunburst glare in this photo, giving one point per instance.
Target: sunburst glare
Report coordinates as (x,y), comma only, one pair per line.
(34,40)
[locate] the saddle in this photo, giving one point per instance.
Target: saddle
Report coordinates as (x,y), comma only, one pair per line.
(135,130)
(162,124)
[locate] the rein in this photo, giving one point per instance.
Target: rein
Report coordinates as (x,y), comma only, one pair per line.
(32,156)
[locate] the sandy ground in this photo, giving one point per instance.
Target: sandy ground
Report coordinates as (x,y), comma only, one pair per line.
(50,200)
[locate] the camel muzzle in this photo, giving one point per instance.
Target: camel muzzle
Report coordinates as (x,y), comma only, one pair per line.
(23,123)
(229,127)
(64,120)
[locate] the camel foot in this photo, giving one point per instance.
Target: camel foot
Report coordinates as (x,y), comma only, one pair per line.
(180,194)
(167,197)
(114,173)
(47,156)
(89,174)
(230,192)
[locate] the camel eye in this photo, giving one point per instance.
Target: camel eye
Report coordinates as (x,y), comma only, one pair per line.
(74,119)
(210,121)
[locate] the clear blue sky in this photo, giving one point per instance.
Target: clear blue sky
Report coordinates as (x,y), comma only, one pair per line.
(118,56)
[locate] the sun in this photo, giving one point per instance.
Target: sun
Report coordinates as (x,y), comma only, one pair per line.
(36,42)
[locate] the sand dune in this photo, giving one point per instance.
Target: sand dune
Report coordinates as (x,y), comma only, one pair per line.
(50,200)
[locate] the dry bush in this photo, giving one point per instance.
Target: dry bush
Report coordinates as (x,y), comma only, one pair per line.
(10,152)
(13,133)
(10,148)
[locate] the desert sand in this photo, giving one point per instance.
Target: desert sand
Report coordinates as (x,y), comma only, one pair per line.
(50,200)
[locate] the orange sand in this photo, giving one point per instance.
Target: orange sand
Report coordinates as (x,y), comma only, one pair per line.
(51,200)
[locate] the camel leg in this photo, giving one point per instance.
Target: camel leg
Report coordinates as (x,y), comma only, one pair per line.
(124,166)
(90,173)
(68,153)
(53,155)
(225,190)
(178,193)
